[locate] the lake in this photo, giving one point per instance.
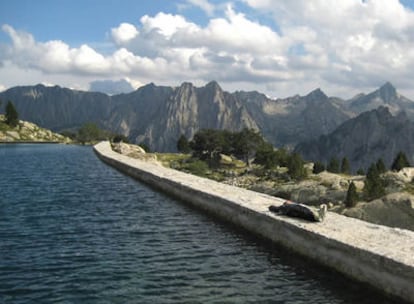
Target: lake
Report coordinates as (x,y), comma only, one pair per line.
(73,230)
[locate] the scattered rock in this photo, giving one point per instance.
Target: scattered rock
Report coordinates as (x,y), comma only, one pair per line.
(394,210)
(29,132)
(225,159)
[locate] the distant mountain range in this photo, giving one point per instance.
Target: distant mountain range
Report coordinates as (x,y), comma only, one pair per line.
(319,126)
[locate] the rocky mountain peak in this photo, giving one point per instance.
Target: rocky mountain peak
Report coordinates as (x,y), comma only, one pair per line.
(386,95)
(364,139)
(185,87)
(387,92)
(213,85)
(316,95)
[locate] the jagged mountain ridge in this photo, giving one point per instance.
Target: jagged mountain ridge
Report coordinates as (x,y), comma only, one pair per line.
(364,139)
(158,115)
(386,95)
(58,108)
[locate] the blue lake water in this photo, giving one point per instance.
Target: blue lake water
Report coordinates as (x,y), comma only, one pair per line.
(73,230)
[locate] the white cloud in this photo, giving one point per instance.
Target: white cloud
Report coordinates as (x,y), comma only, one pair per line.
(351,44)
(206,6)
(372,39)
(164,24)
(124,33)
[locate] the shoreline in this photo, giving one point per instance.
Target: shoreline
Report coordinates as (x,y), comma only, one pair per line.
(31,142)
(357,249)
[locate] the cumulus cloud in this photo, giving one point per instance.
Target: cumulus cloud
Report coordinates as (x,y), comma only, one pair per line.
(321,43)
(206,6)
(124,33)
(363,42)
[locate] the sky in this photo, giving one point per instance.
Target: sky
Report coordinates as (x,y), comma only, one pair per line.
(277,47)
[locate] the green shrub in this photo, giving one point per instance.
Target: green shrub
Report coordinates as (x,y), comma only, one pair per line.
(197,167)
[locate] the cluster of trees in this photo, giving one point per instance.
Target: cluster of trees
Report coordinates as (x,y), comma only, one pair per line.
(343,166)
(374,186)
(90,132)
(208,144)
(333,166)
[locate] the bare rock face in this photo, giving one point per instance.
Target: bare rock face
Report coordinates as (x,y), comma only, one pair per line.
(394,210)
(364,139)
(189,109)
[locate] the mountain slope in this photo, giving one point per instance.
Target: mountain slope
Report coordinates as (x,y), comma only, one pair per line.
(386,96)
(363,140)
(58,108)
(186,110)
(158,115)
(294,119)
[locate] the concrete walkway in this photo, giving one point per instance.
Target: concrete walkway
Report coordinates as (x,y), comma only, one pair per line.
(380,256)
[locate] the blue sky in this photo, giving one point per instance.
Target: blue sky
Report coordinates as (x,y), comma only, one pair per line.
(277,47)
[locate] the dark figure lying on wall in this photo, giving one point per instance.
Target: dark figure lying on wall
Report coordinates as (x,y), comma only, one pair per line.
(301,211)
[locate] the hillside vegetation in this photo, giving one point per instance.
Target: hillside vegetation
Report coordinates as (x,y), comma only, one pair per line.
(276,173)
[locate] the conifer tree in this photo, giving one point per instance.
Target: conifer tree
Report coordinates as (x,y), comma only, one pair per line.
(345,167)
(12,117)
(351,196)
(400,162)
(333,165)
(381,166)
(374,186)
(360,171)
(296,169)
(318,167)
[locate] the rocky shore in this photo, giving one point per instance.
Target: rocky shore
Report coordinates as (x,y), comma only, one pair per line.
(28,132)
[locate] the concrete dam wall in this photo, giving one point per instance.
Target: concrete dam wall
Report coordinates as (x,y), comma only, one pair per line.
(380,256)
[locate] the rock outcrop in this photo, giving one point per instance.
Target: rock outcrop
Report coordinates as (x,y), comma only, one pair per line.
(393,210)
(28,132)
(134,151)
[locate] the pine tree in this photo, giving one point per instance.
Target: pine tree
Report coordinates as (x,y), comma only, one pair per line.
(374,186)
(381,166)
(333,165)
(345,167)
(318,167)
(296,169)
(351,196)
(360,171)
(400,162)
(12,117)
